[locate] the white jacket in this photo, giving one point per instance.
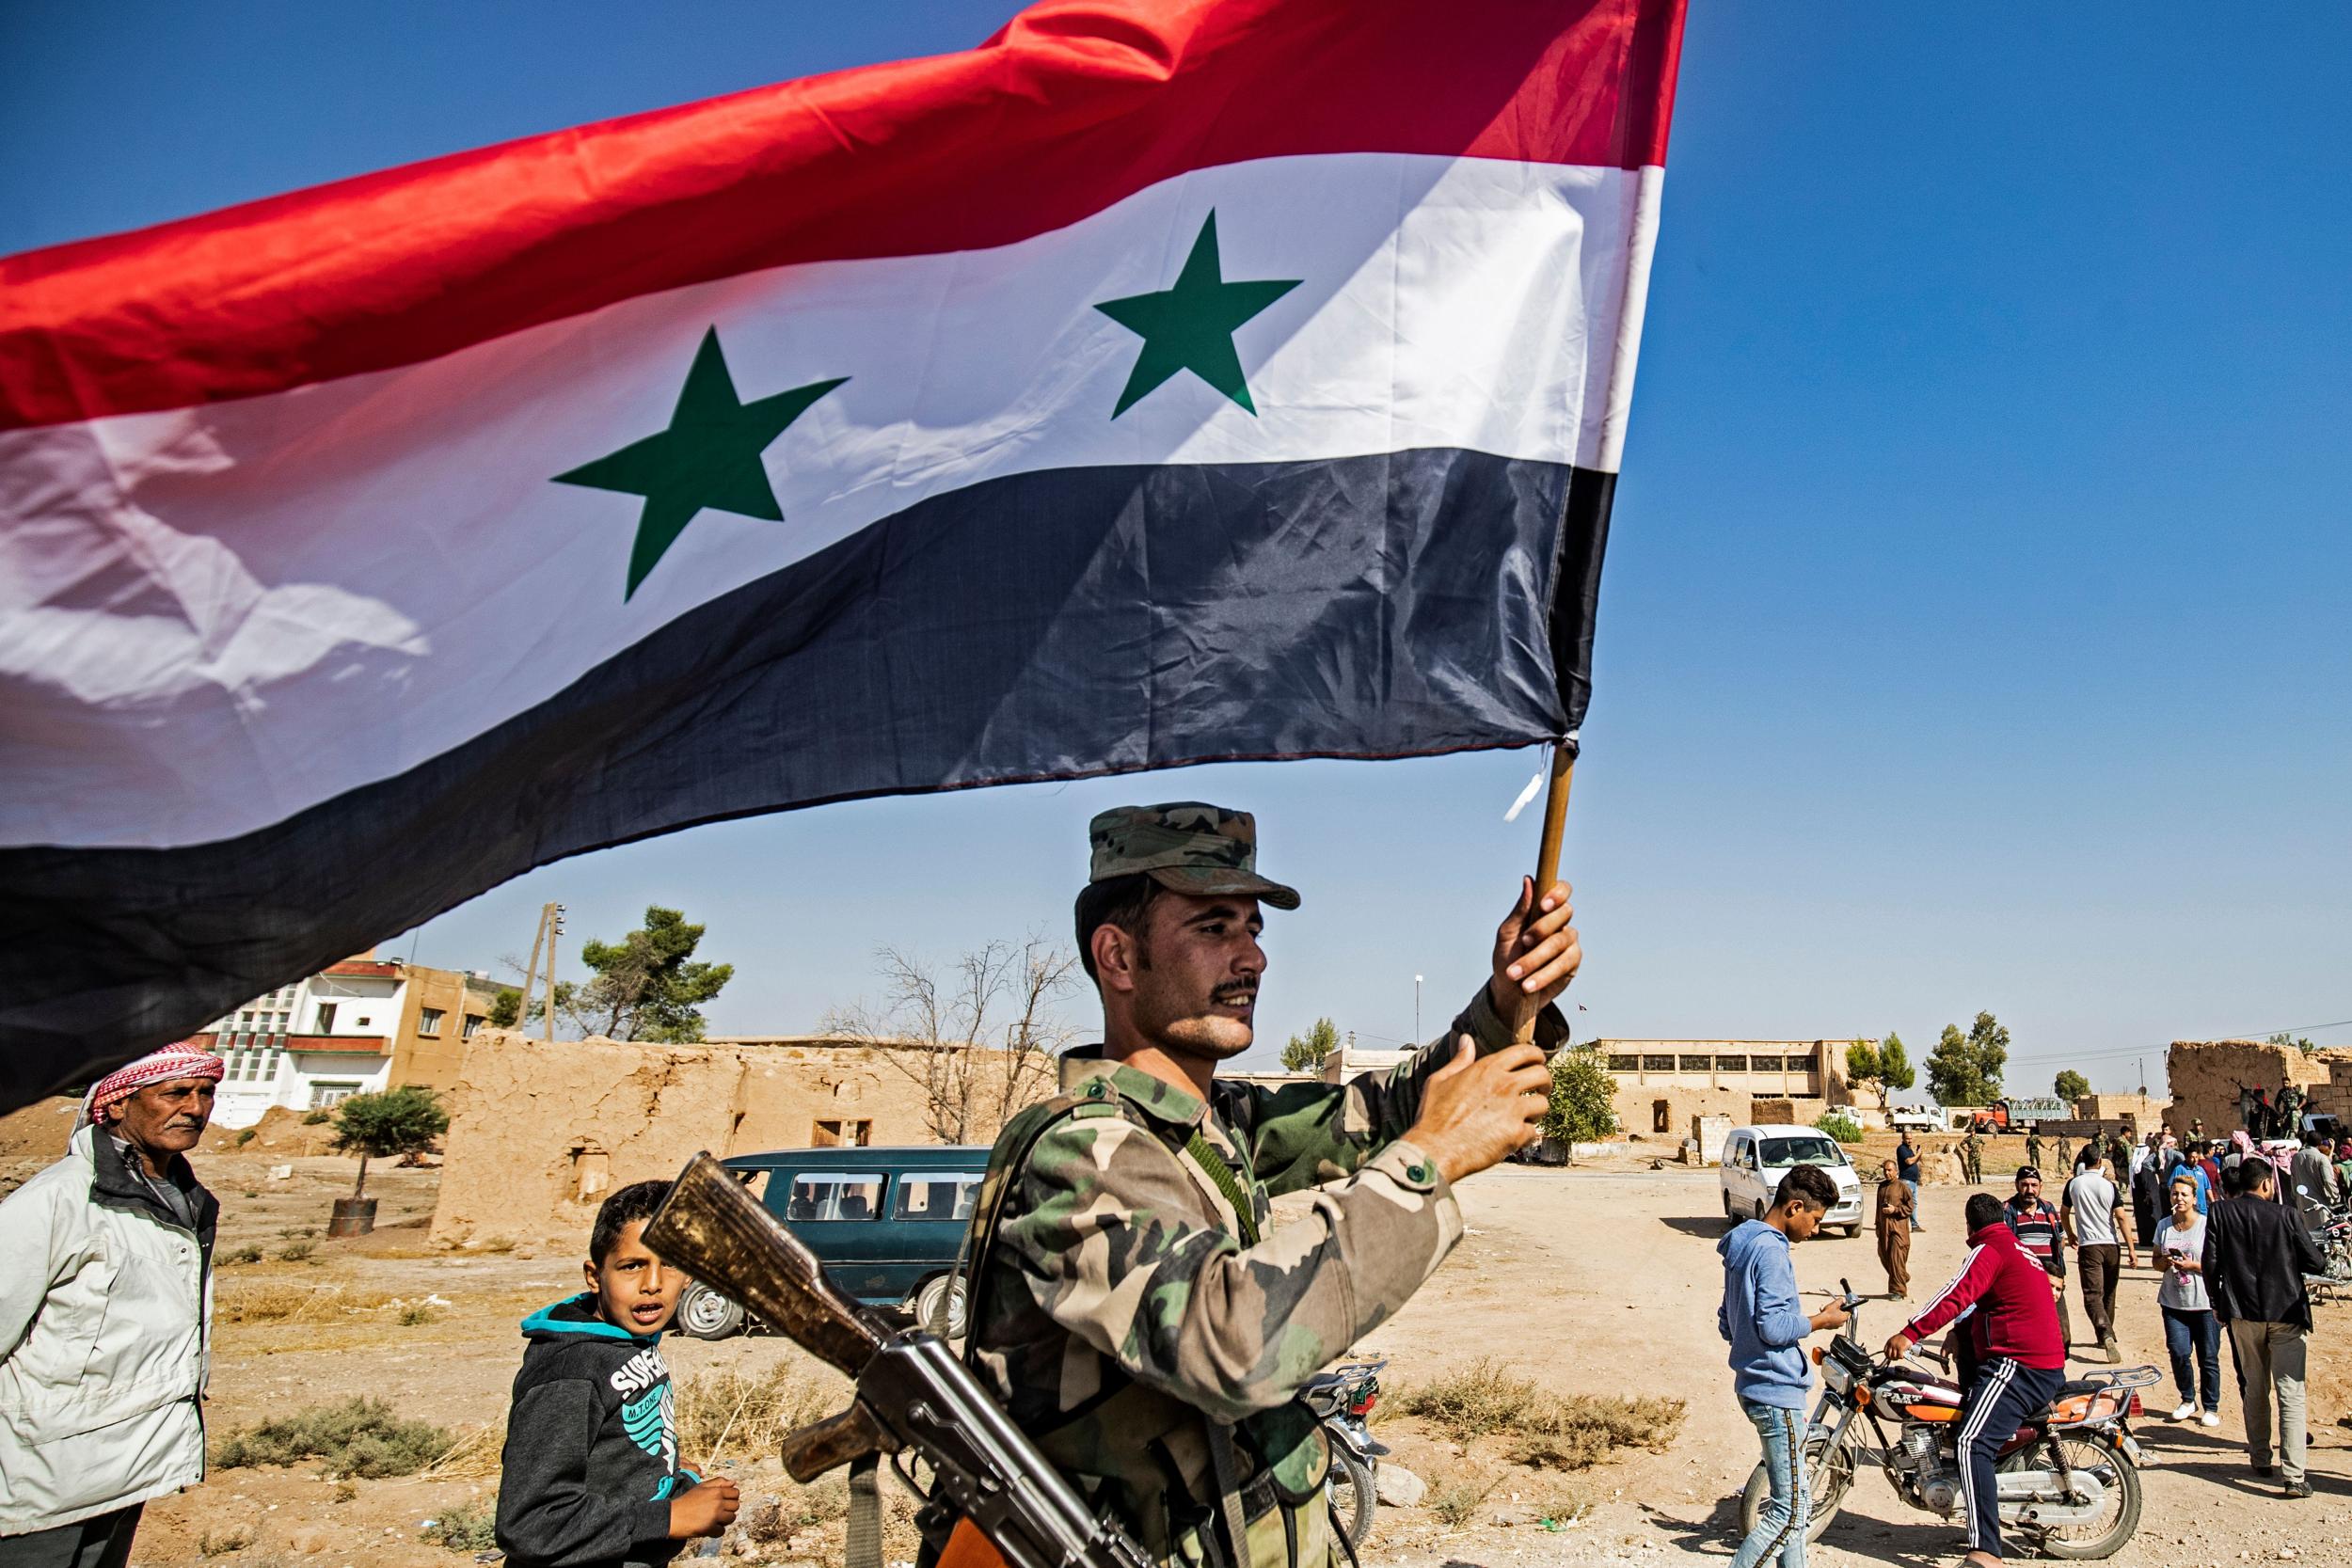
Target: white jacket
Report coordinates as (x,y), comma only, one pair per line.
(106,1308)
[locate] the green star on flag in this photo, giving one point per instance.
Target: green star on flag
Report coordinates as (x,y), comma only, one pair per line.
(709,456)
(1191,325)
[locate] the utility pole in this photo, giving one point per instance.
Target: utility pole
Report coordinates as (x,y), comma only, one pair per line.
(1416,1009)
(550,927)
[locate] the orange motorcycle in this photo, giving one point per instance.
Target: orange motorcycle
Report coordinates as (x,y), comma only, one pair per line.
(2069,1479)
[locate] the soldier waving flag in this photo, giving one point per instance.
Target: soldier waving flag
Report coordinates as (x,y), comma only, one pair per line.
(1129,1307)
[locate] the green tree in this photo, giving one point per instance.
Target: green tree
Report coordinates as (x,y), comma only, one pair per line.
(1307,1053)
(2292,1043)
(506,1008)
(2071,1085)
(379,1125)
(1895,1069)
(1839,1124)
(1584,1097)
(1863,1069)
(1965,1070)
(647,986)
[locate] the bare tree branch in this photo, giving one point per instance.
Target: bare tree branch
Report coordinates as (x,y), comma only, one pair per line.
(939,1030)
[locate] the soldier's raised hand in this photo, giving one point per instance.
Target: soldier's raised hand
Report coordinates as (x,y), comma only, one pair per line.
(1476,1109)
(1536,950)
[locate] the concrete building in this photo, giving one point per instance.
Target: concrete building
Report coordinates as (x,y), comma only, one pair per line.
(355,1027)
(1662,1084)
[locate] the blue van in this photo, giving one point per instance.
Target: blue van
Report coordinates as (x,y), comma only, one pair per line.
(888,1223)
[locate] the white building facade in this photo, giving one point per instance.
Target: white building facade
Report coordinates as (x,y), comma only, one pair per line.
(309,1045)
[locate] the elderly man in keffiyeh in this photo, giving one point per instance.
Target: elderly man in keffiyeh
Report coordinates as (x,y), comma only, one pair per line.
(105,1310)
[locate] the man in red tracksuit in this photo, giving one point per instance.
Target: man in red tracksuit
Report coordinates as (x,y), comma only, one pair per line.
(2020,1359)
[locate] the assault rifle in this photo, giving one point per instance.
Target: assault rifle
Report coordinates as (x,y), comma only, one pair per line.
(912,1394)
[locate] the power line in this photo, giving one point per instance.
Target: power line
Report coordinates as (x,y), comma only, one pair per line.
(2141,1050)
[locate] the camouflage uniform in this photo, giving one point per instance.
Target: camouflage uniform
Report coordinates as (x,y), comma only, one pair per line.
(1972,1157)
(1139,1323)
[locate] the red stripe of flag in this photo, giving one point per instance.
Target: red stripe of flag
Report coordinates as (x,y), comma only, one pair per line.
(1075,105)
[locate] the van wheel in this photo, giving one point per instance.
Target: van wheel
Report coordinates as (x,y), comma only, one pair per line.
(707,1315)
(939,1305)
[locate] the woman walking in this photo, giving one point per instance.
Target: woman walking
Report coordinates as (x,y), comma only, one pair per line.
(2188,1319)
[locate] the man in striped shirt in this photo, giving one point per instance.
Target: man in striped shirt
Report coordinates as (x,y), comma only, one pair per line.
(2038,1229)
(2019,1359)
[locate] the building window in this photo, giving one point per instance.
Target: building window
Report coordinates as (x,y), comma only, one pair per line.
(331,1091)
(429,1021)
(473,1022)
(325,1025)
(1731,1064)
(1765,1064)
(1625,1064)
(1695,1064)
(833,1134)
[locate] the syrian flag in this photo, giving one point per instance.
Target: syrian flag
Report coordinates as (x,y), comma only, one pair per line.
(1163,382)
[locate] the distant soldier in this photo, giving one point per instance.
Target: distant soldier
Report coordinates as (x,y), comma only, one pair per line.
(2289,1121)
(1129,1307)
(2066,1155)
(2033,1146)
(1972,1157)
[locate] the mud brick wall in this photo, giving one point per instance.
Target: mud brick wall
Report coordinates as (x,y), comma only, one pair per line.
(2204,1076)
(539,1132)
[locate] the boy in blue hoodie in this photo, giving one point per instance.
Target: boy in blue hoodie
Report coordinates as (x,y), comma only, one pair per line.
(590,1477)
(1765,1328)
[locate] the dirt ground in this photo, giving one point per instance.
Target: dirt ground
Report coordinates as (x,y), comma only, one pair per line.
(1599,1280)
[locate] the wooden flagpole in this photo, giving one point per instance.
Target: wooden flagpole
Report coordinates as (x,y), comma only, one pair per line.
(1547,850)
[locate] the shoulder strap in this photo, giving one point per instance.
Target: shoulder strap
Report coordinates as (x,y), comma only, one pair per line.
(1204,1153)
(980,1240)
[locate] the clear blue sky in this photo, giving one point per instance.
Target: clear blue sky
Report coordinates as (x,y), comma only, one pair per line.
(1974,629)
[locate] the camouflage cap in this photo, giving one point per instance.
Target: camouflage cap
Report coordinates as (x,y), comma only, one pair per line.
(1186,846)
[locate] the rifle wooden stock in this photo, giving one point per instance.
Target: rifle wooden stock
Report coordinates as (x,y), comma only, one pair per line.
(809,1452)
(722,1235)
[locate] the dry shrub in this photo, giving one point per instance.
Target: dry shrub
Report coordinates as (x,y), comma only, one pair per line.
(822,1501)
(1546,1429)
(276,1302)
(475,1454)
(469,1527)
(358,1437)
(734,1412)
(1581,1430)
(1455,1504)
(1484,1397)
(236,1538)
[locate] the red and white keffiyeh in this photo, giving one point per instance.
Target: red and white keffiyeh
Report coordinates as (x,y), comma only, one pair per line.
(180,1059)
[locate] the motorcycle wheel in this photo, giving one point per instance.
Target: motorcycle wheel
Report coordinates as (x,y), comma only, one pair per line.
(1352,1492)
(2105,1536)
(1831,1476)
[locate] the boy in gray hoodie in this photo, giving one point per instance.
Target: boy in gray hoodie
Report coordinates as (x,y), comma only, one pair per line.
(1764,1324)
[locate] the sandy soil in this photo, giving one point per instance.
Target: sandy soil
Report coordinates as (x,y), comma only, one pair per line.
(1602,1279)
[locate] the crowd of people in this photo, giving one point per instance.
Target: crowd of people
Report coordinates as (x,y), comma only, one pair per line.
(2233,1229)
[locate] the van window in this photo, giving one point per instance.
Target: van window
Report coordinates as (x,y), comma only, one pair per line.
(828,1195)
(1803,1148)
(937,1195)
